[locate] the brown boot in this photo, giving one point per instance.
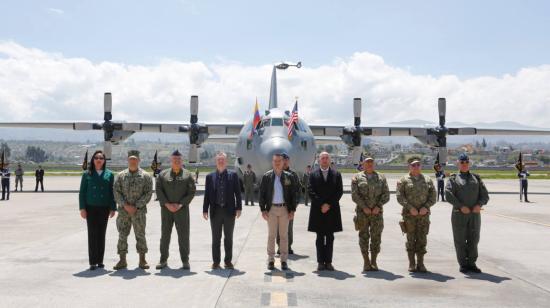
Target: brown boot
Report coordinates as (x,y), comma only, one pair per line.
(366,263)
(121,263)
(142,262)
(420,266)
(412,263)
(373,264)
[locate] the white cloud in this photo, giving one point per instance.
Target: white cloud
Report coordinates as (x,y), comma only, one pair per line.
(55,11)
(42,86)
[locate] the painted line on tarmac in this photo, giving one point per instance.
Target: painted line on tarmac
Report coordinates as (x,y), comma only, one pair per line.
(521,219)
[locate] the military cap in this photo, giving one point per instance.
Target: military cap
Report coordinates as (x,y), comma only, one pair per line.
(133,154)
(463,157)
(414,159)
(367,156)
(176,153)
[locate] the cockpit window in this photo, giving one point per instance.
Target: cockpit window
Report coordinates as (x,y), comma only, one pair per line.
(277,122)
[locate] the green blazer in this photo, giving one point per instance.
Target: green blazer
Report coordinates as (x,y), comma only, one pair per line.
(97,190)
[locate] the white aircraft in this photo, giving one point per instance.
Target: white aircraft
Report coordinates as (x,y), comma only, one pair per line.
(271,134)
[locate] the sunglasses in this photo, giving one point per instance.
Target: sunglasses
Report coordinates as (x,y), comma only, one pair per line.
(463,162)
(415,165)
(99,158)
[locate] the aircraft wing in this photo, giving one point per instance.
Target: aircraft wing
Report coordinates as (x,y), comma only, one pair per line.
(56,125)
(419,131)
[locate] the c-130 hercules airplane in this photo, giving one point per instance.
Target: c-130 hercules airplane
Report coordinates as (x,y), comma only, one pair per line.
(255,146)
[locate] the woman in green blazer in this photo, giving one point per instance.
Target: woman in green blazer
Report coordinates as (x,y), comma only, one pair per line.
(97,205)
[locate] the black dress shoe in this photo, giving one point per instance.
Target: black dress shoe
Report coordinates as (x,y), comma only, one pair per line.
(229,265)
(284,266)
(321,267)
(329,267)
(271,266)
(290,251)
(474,269)
(464,269)
(101,265)
(93,267)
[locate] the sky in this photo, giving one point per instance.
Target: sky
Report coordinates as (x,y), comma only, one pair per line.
(490,59)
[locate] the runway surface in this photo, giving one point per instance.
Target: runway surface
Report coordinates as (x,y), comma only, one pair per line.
(43,260)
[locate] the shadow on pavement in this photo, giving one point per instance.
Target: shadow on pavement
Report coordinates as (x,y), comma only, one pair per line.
(174,272)
(336,274)
(91,274)
(487,277)
(382,274)
(130,274)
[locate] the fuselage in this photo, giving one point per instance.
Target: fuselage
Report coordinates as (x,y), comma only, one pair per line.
(272,137)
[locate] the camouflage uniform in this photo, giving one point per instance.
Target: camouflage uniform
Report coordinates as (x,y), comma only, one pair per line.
(369,191)
(416,192)
(134,188)
(249,179)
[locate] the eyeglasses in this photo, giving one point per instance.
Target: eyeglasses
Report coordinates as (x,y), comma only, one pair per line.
(99,158)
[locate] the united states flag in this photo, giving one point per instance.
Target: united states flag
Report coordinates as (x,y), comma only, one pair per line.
(293,120)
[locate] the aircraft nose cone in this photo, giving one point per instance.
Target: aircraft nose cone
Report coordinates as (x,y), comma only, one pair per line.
(275,145)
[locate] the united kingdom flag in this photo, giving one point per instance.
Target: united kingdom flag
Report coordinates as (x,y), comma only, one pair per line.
(293,120)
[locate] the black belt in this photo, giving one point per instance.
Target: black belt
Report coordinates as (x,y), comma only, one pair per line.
(278,204)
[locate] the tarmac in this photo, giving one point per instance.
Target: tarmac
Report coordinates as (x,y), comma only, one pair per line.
(44,263)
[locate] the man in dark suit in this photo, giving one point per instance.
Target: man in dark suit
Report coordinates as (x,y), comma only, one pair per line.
(39,175)
(222,196)
(325,189)
(278,204)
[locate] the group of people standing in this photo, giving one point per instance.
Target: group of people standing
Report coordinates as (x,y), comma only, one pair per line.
(416,193)
(5,174)
(102,194)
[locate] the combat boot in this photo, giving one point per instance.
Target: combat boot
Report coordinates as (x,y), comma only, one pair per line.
(420,266)
(373,264)
(366,262)
(122,264)
(142,262)
(412,263)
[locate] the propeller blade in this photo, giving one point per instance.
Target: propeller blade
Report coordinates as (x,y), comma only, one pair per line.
(442,106)
(107,106)
(442,154)
(107,149)
(194,106)
(357,111)
(193,153)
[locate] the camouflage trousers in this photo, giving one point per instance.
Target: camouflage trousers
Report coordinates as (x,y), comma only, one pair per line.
(418,228)
(370,230)
(124,224)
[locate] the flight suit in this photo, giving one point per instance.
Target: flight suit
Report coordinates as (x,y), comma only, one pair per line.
(19,178)
(249,179)
(175,188)
(416,192)
(369,191)
(305,184)
(466,189)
